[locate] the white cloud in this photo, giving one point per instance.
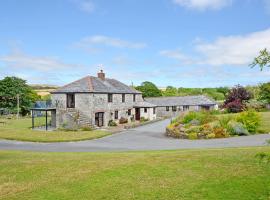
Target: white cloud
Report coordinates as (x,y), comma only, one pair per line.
(85,5)
(203,4)
(229,50)
(234,50)
(92,42)
(20,60)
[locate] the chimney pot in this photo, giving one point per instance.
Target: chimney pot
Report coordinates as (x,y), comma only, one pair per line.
(101,75)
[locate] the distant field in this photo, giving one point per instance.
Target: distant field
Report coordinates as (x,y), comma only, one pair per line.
(233,173)
(44,92)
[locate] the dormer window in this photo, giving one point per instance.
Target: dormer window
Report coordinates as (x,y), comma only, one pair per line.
(70,100)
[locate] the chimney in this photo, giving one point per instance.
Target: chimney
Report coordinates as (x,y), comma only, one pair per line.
(101,75)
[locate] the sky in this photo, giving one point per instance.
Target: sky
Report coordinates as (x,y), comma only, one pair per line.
(181,43)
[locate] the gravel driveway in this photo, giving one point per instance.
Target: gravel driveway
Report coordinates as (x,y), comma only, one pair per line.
(148,137)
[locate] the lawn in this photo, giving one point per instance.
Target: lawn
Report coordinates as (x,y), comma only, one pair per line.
(234,173)
(265,122)
(20,130)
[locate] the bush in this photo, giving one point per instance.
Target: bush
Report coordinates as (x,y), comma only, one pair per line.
(211,136)
(250,119)
(237,128)
(203,117)
(123,120)
(235,106)
(86,128)
(189,117)
(220,132)
(192,136)
(112,123)
(143,119)
(224,121)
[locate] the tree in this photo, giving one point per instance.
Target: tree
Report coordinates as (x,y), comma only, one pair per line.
(263,60)
(170,91)
(149,89)
(223,90)
(9,88)
(264,93)
(236,98)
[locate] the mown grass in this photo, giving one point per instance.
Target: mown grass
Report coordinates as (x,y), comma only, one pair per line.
(182,174)
(21,130)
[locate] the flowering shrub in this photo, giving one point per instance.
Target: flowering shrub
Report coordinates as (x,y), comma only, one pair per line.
(250,119)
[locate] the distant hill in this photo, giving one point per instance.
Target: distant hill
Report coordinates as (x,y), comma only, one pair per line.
(43,86)
(43,89)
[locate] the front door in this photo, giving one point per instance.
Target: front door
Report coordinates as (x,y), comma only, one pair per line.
(137,114)
(99,119)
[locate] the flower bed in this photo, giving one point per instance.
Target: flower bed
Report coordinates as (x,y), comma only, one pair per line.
(206,125)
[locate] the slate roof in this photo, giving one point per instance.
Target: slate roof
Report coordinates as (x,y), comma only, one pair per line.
(181,101)
(144,104)
(91,84)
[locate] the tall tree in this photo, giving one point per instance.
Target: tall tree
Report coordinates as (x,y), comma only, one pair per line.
(10,87)
(149,89)
(263,60)
(264,93)
(170,91)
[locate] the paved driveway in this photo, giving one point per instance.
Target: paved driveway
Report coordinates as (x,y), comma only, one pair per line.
(148,137)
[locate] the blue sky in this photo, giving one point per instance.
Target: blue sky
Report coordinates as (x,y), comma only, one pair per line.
(183,43)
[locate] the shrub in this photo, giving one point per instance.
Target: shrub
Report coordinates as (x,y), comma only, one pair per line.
(123,120)
(189,117)
(220,132)
(143,119)
(237,128)
(112,123)
(203,117)
(250,119)
(86,128)
(192,136)
(235,106)
(236,98)
(211,136)
(224,121)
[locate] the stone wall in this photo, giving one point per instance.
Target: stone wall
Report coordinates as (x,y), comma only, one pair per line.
(162,112)
(149,114)
(90,103)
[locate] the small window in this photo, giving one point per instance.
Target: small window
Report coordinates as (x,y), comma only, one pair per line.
(134,97)
(154,110)
(123,98)
(174,108)
(110,98)
(185,108)
(129,112)
(116,114)
(145,110)
(167,108)
(70,100)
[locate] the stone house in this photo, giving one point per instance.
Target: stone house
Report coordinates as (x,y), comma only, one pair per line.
(173,106)
(94,101)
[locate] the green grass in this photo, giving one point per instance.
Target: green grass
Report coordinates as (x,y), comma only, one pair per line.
(20,130)
(234,173)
